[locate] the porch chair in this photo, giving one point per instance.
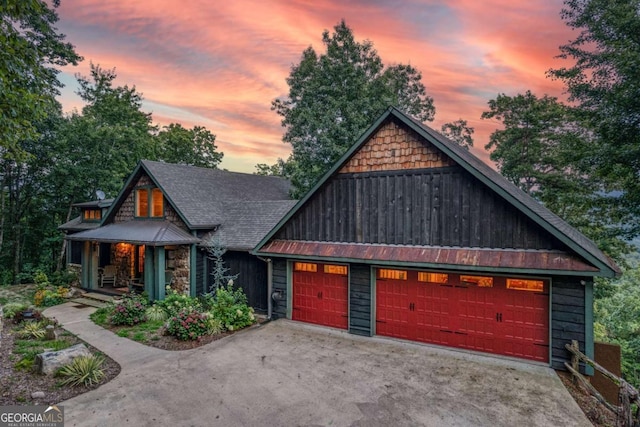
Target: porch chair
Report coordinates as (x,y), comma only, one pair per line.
(108,276)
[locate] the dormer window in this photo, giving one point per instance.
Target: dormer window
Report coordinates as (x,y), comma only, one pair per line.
(149,203)
(90,215)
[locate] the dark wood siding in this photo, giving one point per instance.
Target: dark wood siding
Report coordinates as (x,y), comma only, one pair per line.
(567,318)
(280,285)
(435,207)
(201,279)
(360,299)
(252,276)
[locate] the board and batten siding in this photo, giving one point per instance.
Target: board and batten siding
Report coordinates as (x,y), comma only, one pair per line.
(279,277)
(568,317)
(252,277)
(432,207)
(360,299)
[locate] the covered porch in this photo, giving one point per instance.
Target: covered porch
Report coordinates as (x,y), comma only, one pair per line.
(138,255)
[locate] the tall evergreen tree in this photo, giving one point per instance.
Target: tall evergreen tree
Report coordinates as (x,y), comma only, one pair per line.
(334,96)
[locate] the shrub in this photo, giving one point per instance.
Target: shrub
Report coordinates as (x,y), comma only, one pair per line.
(11,309)
(64,278)
(40,279)
(231,309)
(188,325)
(47,297)
(175,303)
(214,326)
(33,330)
(84,370)
(156,313)
(129,311)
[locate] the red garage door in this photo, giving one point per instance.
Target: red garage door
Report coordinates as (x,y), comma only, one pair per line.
(320,294)
(489,314)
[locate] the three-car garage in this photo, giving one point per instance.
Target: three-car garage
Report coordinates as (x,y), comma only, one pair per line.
(493,314)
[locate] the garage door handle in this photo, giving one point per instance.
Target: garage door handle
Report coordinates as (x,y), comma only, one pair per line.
(498,317)
(319,295)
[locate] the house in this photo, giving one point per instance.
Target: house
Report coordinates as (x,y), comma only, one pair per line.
(410,236)
(156,231)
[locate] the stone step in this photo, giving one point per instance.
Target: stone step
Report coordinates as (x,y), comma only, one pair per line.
(99,297)
(90,302)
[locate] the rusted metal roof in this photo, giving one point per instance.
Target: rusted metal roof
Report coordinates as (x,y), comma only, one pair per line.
(152,233)
(444,257)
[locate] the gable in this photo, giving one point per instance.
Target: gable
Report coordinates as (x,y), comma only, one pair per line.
(395,147)
(466,198)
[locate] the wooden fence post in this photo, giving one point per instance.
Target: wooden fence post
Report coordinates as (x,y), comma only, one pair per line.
(575,361)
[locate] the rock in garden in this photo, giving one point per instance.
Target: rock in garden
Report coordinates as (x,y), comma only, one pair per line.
(37,395)
(49,361)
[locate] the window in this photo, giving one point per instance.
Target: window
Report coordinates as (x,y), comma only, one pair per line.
(480,281)
(385,273)
(305,266)
(424,276)
(525,285)
(335,269)
(92,215)
(149,203)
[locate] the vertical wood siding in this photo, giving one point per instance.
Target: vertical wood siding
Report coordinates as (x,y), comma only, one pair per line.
(252,277)
(360,299)
(280,285)
(435,207)
(568,317)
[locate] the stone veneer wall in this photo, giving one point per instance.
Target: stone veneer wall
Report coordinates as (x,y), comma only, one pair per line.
(182,264)
(122,257)
(395,147)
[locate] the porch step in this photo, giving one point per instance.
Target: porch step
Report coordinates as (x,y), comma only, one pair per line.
(90,302)
(98,296)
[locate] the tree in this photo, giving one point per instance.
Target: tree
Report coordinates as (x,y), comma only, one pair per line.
(30,47)
(539,151)
(195,147)
(279,168)
(335,96)
(459,132)
(220,272)
(604,82)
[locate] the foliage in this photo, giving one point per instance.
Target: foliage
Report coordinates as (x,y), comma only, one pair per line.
(617,320)
(220,272)
(214,325)
(40,279)
(231,309)
(11,309)
(83,370)
(176,302)
(195,147)
(46,297)
(333,97)
(34,330)
(31,54)
(603,81)
(28,349)
(459,132)
(64,278)
(188,325)
(279,168)
(130,310)
(538,150)
(156,313)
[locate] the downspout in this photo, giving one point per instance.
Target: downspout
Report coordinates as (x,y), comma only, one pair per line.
(269,286)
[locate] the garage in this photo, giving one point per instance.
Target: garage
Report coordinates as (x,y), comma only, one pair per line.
(320,294)
(500,315)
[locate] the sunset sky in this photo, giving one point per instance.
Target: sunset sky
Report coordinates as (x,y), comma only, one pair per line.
(219,64)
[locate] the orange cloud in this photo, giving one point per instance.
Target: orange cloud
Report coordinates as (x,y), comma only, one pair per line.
(221,64)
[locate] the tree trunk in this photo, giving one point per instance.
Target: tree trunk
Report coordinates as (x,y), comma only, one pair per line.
(63,250)
(17,249)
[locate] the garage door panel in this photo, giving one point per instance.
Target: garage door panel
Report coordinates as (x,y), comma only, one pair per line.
(320,298)
(483,316)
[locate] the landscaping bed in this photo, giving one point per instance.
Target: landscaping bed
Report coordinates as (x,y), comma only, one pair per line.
(20,382)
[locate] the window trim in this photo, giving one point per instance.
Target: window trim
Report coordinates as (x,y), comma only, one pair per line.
(150,191)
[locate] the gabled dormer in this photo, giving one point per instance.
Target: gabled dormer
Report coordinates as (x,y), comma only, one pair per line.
(149,202)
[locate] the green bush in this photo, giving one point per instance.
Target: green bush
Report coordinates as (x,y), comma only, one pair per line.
(40,279)
(156,313)
(214,326)
(64,278)
(188,325)
(84,370)
(175,303)
(129,311)
(11,309)
(231,309)
(33,330)
(46,297)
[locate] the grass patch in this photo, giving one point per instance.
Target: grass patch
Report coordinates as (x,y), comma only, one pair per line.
(124,333)
(101,316)
(139,336)
(27,350)
(4,300)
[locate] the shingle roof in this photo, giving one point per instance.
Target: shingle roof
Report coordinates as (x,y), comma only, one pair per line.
(76,224)
(152,233)
(206,197)
(571,237)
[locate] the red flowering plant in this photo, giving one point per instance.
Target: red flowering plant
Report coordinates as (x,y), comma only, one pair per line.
(188,325)
(129,311)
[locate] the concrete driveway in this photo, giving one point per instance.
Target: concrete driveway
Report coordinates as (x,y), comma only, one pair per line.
(287,374)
